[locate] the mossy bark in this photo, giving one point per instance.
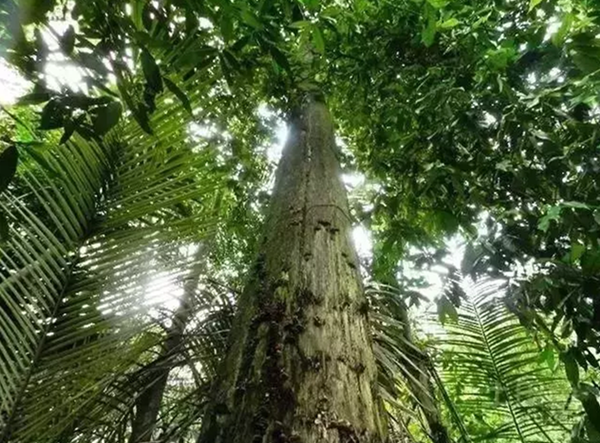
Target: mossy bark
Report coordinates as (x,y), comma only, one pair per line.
(300,365)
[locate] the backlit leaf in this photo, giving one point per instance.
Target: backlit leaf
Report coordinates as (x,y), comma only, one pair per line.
(179,94)
(151,71)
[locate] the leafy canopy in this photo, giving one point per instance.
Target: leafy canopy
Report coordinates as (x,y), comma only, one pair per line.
(458,113)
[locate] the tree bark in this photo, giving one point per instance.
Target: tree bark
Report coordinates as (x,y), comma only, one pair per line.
(300,365)
(147,405)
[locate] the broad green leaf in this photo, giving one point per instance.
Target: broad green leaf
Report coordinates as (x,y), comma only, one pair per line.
(104,118)
(179,94)
(52,115)
(8,165)
(151,71)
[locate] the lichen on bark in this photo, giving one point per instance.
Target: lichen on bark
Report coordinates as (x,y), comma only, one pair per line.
(300,365)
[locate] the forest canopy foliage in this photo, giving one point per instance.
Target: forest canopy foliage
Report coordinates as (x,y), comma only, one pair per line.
(147,172)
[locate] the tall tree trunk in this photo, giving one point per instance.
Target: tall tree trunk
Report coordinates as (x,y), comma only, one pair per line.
(300,365)
(147,405)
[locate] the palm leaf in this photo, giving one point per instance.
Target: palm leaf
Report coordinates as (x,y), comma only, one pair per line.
(491,368)
(87,259)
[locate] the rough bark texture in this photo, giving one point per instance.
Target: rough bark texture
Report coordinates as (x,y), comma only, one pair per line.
(147,405)
(300,366)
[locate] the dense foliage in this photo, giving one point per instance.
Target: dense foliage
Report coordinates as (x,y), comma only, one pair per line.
(471,120)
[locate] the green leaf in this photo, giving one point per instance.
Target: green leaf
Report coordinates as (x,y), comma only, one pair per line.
(301,24)
(226,25)
(250,19)
(34,98)
(588,397)
(597,216)
(70,127)
(40,158)
(577,250)
(577,205)
(104,118)
(151,71)
(558,39)
(448,24)
(533,4)
(571,367)
(499,59)
(549,357)
(67,41)
(438,4)
(198,56)
(446,309)
(280,58)
(9,158)
(179,94)
(429,31)
(317,39)
(52,115)
(552,214)
(139,113)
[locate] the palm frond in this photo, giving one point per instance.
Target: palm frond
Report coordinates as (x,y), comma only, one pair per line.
(404,366)
(89,263)
(491,367)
